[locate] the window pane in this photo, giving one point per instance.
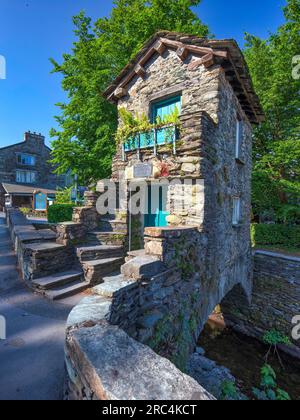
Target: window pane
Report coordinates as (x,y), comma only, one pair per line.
(165,108)
(28,160)
(239,139)
(236,216)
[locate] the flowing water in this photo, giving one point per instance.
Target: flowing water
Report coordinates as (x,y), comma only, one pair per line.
(245,357)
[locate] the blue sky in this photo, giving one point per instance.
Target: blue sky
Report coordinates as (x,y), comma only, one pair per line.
(31,31)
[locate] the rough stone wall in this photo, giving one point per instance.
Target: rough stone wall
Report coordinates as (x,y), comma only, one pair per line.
(104,363)
(70,233)
(229,247)
(33,145)
(206,151)
(275,299)
(209,113)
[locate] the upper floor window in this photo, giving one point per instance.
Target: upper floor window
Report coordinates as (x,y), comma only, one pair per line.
(24,159)
(26,177)
(159,114)
(236,212)
(165,131)
(239,139)
(163,109)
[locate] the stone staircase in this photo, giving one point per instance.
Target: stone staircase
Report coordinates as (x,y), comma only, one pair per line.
(100,260)
(61,285)
(62,269)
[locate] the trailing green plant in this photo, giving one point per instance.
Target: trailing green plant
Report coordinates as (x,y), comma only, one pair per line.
(269,390)
(274,338)
(131,125)
(229,391)
(59,213)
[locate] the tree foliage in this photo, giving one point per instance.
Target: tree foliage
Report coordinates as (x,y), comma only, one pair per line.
(276,178)
(84,141)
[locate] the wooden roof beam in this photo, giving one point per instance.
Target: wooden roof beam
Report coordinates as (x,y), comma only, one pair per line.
(207,61)
(194,48)
(242,85)
(120,92)
(140,71)
(182,53)
(160,47)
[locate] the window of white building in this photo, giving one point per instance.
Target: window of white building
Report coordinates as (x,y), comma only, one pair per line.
(26,177)
(24,159)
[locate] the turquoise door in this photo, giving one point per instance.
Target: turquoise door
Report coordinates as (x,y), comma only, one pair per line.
(160,111)
(157,203)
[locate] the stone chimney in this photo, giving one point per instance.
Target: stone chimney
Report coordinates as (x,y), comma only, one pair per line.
(34,137)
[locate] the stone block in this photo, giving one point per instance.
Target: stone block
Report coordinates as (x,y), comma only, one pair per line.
(142,268)
(114,366)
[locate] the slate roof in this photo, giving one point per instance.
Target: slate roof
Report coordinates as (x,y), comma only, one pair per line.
(17,189)
(234,65)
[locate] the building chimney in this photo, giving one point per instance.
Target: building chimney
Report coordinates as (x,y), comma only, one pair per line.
(34,137)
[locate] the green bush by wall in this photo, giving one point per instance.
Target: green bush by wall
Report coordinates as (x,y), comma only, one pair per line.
(60,213)
(276,235)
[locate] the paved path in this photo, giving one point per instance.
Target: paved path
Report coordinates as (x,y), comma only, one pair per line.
(31,357)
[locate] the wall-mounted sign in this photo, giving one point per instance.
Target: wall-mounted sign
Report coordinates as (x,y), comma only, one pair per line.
(142,170)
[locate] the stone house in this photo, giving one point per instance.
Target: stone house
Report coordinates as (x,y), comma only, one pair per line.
(24,169)
(207,161)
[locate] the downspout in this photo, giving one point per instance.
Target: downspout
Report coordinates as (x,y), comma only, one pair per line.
(130,224)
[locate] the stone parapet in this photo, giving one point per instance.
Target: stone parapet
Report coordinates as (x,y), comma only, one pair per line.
(70,233)
(175,246)
(90,198)
(275,298)
(104,363)
(86,216)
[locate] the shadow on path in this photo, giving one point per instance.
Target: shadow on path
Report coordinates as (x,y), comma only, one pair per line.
(32,356)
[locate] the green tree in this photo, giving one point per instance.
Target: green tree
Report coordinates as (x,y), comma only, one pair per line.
(276,177)
(84,141)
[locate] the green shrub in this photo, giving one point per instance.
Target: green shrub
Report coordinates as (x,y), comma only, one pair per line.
(63,196)
(276,235)
(60,213)
(289,215)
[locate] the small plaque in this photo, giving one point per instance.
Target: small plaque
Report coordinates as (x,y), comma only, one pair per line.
(142,170)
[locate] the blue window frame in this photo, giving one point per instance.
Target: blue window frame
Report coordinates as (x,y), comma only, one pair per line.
(164,135)
(164,108)
(25,159)
(161,110)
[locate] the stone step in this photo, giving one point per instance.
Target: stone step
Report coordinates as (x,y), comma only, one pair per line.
(57,280)
(133,254)
(96,270)
(107,238)
(144,267)
(111,285)
(46,258)
(96,252)
(113,226)
(67,290)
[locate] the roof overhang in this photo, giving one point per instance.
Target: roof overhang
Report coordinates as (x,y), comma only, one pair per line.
(25,190)
(210,52)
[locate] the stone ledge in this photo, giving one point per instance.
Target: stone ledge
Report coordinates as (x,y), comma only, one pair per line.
(168,232)
(116,367)
(274,254)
